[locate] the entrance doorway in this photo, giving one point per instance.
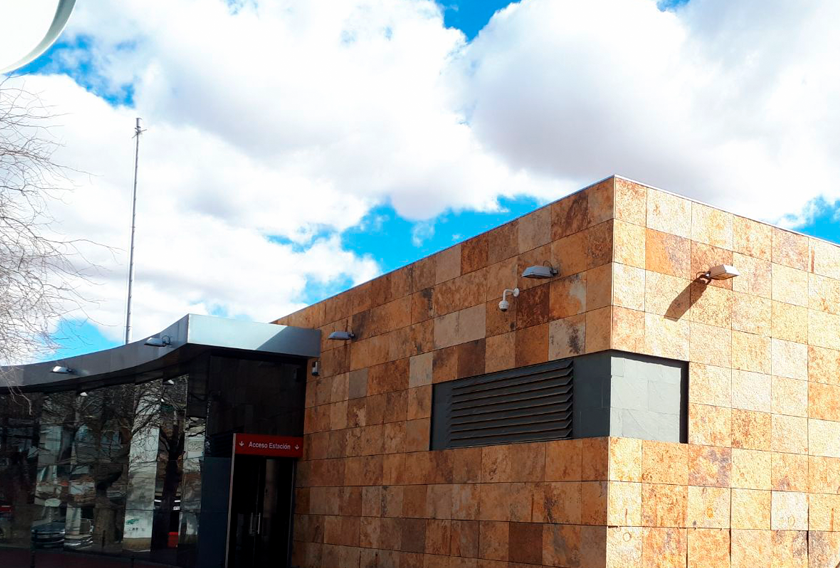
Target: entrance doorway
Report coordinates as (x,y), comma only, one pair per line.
(259,533)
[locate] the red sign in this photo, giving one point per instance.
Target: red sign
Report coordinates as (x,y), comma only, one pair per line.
(270,446)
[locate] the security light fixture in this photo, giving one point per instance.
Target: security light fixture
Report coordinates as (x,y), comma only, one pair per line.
(162,341)
(540,271)
(721,272)
(504,305)
(316,369)
(169,382)
(59,370)
(342,335)
(83,394)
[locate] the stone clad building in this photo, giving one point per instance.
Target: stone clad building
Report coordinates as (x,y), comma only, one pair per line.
(661,390)
(695,422)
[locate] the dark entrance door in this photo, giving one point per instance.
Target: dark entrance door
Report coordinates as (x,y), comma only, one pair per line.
(261,512)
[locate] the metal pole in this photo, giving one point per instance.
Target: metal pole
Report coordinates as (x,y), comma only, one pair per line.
(137,132)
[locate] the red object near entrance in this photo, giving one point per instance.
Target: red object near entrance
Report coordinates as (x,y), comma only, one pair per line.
(270,446)
(173,540)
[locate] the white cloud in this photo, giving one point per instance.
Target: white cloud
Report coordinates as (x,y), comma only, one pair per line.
(293,119)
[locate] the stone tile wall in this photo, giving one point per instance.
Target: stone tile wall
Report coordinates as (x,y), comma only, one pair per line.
(758,484)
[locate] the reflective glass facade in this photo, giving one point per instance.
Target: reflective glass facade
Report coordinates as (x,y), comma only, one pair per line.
(120,468)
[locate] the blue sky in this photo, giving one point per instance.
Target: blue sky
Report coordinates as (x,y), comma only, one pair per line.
(384,231)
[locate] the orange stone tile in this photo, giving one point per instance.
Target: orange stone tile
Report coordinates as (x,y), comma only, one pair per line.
(666,337)
(593,546)
(664,462)
(751,352)
(790,285)
(567,296)
(667,296)
(824,294)
(823,365)
(624,504)
(755,278)
(825,258)
(709,425)
(751,549)
(448,264)
(790,472)
(790,434)
(709,466)
(711,226)
(624,547)
(628,285)
(630,201)
(708,507)
(526,543)
(790,511)
(599,282)
(501,352)
(790,396)
(824,475)
(593,502)
(600,244)
(570,255)
(563,460)
(710,345)
(668,254)
(823,548)
(751,313)
(562,502)
(822,330)
(751,391)
(751,238)
(823,512)
(594,459)
(601,197)
(750,509)
(664,505)
(503,242)
(534,229)
(790,323)
(668,213)
(790,249)
(531,306)
(664,548)
(598,329)
(569,215)
(561,545)
(625,459)
(493,540)
(566,337)
(474,253)
(708,548)
(708,384)
(629,244)
(824,401)
(751,430)
(495,464)
(527,462)
(628,330)
(790,549)
(531,345)
(824,438)
(711,305)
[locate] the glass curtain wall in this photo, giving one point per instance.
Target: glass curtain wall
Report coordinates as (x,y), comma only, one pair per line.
(116,469)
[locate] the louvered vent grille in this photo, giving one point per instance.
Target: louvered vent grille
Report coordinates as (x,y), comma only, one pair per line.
(527,404)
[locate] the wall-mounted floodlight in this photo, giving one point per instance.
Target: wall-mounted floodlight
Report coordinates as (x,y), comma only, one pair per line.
(316,369)
(163,341)
(59,370)
(169,382)
(540,271)
(504,305)
(722,272)
(83,394)
(342,335)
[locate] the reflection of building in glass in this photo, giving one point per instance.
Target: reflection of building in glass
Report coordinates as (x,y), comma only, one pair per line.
(121,469)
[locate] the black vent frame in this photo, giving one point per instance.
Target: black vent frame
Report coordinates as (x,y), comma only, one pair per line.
(527,404)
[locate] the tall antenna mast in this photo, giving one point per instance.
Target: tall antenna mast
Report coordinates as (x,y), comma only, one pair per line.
(137,132)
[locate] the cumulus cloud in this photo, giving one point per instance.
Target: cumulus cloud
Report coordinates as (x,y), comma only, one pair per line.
(275,126)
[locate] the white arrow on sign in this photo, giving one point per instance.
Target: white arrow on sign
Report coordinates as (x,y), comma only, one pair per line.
(241,443)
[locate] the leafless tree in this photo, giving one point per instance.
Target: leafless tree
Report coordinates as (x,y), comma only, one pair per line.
(37,269)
